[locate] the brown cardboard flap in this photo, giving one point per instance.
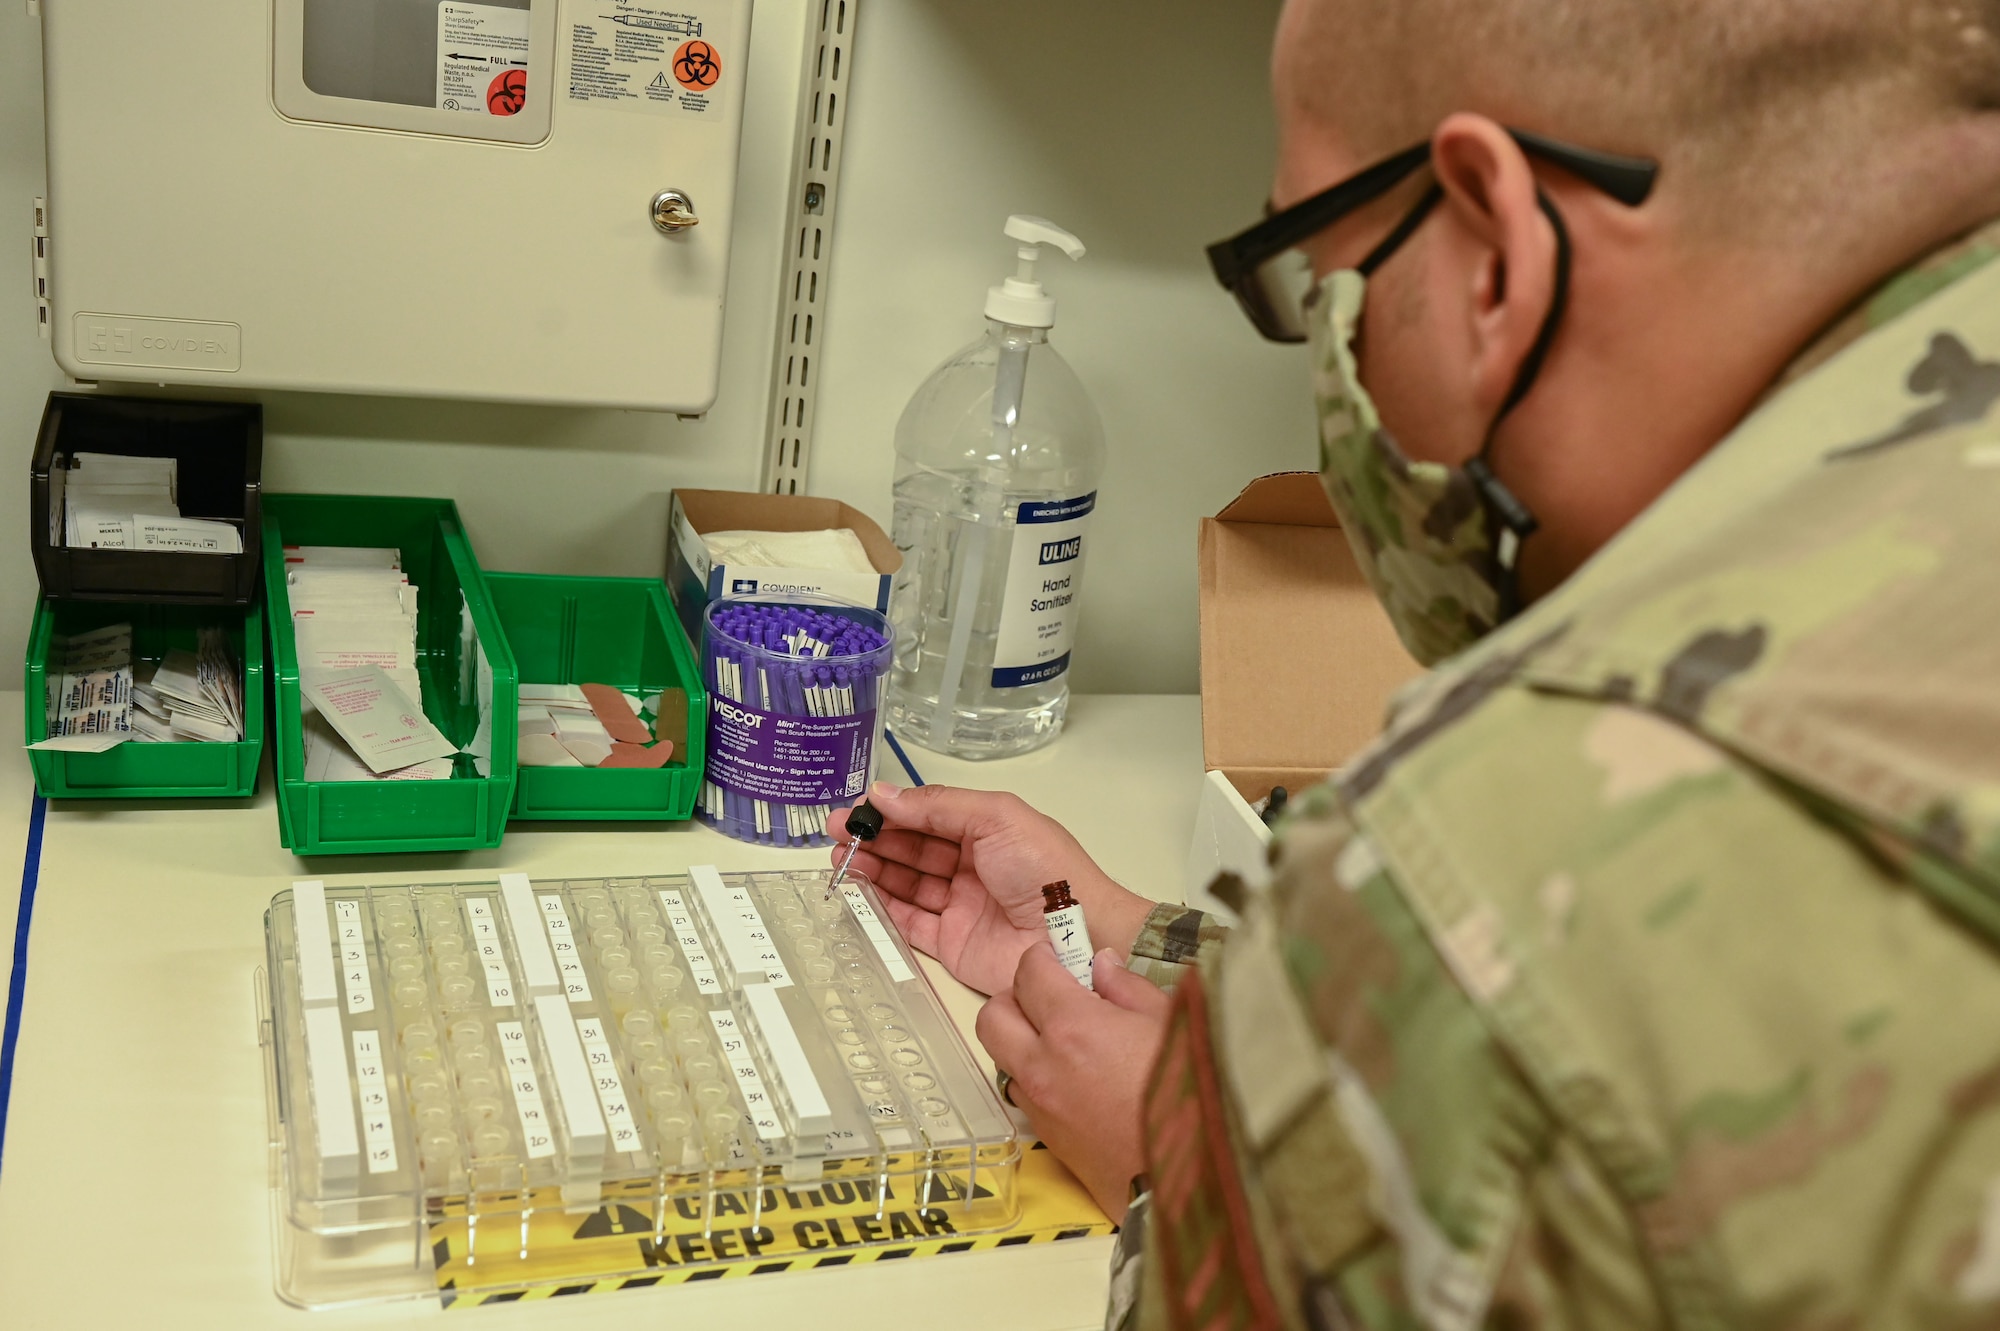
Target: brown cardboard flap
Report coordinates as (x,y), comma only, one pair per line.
(1286,499)
(737,510)
(1298,659)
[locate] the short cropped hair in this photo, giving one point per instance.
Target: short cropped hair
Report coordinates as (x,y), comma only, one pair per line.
(1759,96)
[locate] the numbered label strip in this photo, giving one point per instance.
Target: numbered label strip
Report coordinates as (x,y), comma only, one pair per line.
(610,1089)
(789,1066)
(736,1048)
(681,920)
(378,1139)
(486,941)
(759,950)
(878,934)
(353,957)
(563,943)
(733,918)
(536,1130)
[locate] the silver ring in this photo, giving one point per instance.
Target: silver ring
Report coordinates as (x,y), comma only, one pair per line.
(1004,1082)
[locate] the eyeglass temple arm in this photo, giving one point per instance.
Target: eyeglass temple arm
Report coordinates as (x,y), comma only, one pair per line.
(1629,180)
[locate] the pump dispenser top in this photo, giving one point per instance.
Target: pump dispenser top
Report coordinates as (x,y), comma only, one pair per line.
(1020,300)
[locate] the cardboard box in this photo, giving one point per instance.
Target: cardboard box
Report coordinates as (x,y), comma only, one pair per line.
(1298,663)
(693,580)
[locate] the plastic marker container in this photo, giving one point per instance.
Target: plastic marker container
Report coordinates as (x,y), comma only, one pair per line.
(794,697)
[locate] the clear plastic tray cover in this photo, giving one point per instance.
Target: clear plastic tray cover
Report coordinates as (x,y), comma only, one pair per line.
(719,1066)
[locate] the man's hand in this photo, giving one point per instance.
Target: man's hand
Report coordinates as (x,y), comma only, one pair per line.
(1079,1062)
(963,870)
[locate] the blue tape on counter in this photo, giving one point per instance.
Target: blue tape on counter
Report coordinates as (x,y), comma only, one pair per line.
(17,981)
(901,757)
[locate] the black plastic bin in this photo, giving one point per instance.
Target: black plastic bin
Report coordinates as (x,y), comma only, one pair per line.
(220,448)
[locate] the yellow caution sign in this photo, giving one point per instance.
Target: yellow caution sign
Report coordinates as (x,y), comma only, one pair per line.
(632,1242)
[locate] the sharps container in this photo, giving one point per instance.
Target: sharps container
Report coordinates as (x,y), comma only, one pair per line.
(794,714)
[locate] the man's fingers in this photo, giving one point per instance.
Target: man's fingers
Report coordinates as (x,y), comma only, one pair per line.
(1134,993)
(928,854)
(1044,989)
(900,880)
(940,811)
(1008,1035)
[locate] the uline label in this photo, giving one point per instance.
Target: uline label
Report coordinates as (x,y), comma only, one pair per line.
(164,344)
(1057,552)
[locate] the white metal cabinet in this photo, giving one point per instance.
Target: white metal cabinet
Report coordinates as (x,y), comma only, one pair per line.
(213,219)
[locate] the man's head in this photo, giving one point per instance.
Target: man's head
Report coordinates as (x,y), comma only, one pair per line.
(1807,148)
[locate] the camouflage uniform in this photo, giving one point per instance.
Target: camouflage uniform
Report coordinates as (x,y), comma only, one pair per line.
(1643,973)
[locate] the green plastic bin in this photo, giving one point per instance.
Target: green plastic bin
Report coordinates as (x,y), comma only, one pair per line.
(468,812)
(616,631)
(139,771)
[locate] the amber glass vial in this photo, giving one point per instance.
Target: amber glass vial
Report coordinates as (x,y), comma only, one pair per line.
(1067,930)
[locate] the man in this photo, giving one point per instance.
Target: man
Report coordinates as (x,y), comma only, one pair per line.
(1644,972)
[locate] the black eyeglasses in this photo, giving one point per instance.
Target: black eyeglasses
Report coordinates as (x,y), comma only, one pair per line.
(1271,277)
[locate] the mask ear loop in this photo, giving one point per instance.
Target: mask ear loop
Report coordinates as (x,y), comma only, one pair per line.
(1404,230)
(1516,521)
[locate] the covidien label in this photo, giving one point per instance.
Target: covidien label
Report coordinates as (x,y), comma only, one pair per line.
(1044,576)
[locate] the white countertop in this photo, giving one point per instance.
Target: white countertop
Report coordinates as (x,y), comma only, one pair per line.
(133,1185)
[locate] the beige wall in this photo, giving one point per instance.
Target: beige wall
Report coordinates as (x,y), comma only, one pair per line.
(1141,126)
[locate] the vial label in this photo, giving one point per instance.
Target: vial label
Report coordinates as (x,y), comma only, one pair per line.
(486,938)
(1044,575)
(353,958)
(562,942)
(756,1099)
(535,1128)
(682,923)
(610,1087)
(878,934)
(1072,940)
(372,1082)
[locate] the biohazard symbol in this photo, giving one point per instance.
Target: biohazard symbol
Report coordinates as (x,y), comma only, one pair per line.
(697,65)
(508,91)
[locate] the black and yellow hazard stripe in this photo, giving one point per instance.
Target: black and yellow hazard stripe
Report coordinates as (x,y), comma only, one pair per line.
(739,1270)
(801,1228)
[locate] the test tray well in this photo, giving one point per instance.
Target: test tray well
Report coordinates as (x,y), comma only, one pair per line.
(467,812)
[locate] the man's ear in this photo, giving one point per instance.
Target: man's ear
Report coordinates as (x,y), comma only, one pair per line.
(1508,248)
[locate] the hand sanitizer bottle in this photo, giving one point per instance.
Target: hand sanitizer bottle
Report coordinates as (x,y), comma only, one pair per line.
(997,461)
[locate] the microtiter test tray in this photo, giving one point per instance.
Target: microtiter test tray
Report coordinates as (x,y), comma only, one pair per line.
(508,1088)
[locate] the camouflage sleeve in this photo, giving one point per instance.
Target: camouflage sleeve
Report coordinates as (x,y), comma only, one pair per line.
(1172,940)
(1570,1018)
(1334,1139)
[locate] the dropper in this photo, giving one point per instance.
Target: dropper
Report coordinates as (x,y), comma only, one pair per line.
(864,823)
